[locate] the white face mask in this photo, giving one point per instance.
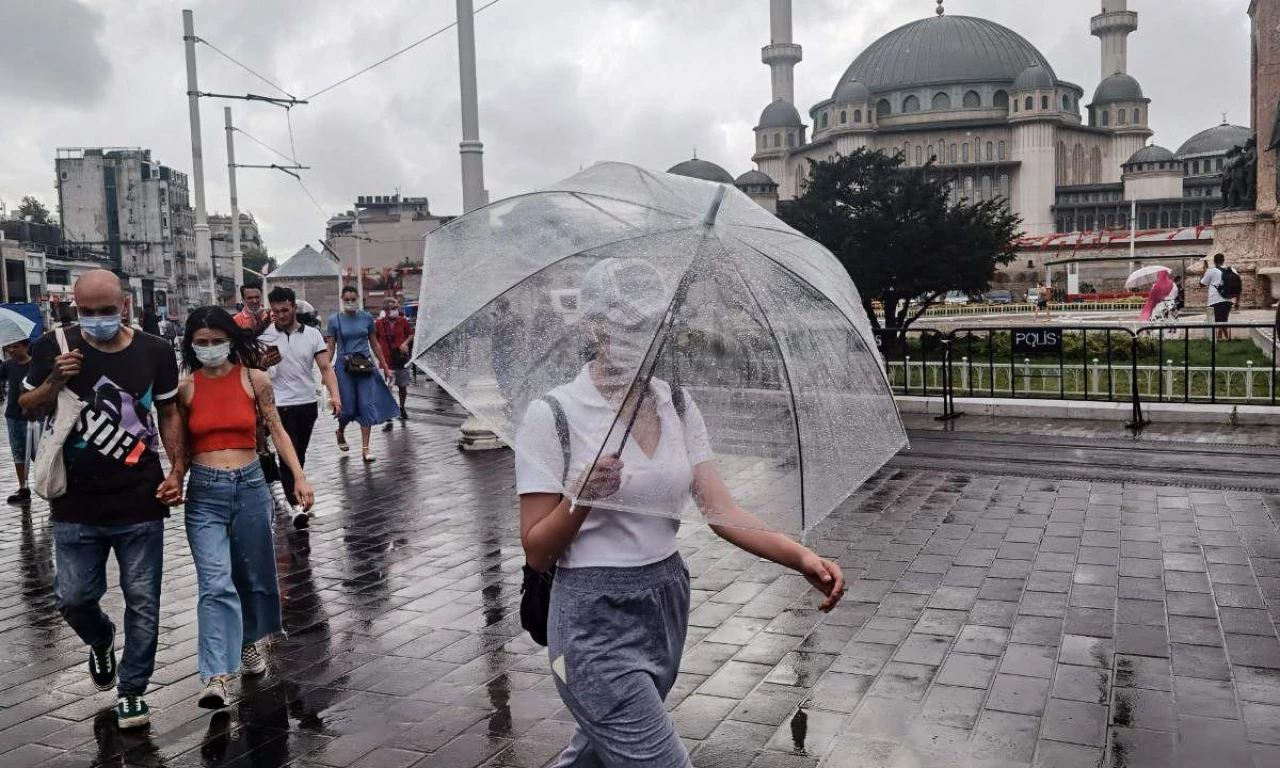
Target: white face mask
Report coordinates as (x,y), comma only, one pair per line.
(626,354)
(215,355)
(393,313)
(349,306)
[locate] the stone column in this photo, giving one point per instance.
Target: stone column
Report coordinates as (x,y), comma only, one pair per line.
(1266,96)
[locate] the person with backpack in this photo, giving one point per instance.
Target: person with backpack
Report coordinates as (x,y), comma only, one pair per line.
(1225,287)
(618,611)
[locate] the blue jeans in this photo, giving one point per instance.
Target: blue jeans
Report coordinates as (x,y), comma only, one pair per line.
(228,518)
(19,439)
(615,637)
(80,556)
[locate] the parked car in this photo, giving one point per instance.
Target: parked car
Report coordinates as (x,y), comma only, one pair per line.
(999,297)
(1032,295)
(956,298)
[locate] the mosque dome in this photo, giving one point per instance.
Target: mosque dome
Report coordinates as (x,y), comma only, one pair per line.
(1118,87)
(1151,154)
(942,50)
(851,92)
(1217,140)
(702,169)
(1032,78)
(755,179)
(780,114)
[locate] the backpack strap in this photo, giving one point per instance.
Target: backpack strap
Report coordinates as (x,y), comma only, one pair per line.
(562,432)
(678,401)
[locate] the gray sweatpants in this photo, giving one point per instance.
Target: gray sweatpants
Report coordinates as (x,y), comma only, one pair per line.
(615,637)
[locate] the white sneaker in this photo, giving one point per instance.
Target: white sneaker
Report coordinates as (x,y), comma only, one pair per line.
(215,693)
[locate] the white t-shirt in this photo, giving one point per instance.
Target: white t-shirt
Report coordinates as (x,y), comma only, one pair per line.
(1213,279)
(612,536)
(293,378)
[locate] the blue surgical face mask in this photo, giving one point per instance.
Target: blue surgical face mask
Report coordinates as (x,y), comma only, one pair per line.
(101,328)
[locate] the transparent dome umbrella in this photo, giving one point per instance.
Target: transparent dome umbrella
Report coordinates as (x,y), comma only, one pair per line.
(14,327)
(759,328)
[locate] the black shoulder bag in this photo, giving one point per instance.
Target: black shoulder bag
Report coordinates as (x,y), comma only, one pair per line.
(535,591)
(354,363)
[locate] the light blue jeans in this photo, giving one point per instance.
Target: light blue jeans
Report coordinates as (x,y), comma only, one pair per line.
(615,637)
(228,518)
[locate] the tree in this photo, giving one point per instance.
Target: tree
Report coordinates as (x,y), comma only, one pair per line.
(254,259)
(898,235)
(33,208)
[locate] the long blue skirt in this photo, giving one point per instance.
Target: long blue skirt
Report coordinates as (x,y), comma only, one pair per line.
(365,399)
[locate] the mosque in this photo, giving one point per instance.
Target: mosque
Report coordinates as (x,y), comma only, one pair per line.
(987,106)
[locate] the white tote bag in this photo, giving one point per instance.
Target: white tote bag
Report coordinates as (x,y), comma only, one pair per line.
(49,473)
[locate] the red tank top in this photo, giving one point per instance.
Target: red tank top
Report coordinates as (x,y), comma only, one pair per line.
(222,416)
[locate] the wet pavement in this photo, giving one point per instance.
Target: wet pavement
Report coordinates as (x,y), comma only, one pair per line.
(993,621)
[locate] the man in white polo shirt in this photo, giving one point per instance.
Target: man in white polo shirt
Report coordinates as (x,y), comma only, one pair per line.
(293,351)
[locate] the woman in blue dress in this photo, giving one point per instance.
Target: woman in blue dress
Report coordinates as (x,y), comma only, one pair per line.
(361,371)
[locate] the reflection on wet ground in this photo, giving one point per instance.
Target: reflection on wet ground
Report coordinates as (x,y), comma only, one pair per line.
(992,621)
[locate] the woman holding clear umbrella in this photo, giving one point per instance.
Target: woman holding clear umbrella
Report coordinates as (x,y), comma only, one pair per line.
(620,602)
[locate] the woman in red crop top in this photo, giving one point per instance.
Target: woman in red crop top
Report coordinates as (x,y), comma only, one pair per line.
(228,508)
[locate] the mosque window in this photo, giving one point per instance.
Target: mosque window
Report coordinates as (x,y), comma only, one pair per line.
(919,155)
(1004,185)
(941,101)
(1164,220)
(931,155)
(1066,101)
(968,187)
(1137,117)
(1220,161)
(986,187)
(1060,163)
(824,119)
(844,116)
(1095,166)
(1044,102)
(952,155)
(990,153)
(1029,104)
(972,100)
(883,108)
(1000,100)
(964,152)
(1078,168)
(1106,118)
(1002,150)
(777,139)
(911,104)
(1121,118)
(857,116)
(791,139)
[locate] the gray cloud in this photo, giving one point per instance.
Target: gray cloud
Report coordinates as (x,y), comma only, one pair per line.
(50,53)
(564,83)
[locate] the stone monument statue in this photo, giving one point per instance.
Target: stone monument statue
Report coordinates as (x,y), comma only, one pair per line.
(1275,145)
(1240,177)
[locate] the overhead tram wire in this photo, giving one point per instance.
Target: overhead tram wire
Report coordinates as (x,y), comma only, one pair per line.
(406,49)
(245,67)
(264,145)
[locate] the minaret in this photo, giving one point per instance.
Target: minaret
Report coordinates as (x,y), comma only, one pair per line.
(1113,27)
(781,54)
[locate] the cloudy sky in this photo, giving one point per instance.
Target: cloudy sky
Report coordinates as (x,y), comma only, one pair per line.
(563,84)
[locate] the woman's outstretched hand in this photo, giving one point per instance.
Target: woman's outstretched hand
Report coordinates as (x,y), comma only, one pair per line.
(826,577)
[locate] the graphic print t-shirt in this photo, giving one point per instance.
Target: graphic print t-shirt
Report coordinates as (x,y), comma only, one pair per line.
(113,453)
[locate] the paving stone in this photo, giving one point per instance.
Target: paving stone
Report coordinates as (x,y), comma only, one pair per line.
(1075,683)
(966,670)
(1094,622)
(1200,661)
(1075,722)
(1086,651)
(1004,736)
(1143,708)
(904,681)
(1029,660)
(1014,693)
(1135,748)
(1204,698)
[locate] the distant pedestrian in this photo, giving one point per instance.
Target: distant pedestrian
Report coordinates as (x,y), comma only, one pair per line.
(117,494)
(358,359)
(228,509)
(395,336)
(150,321)
(619,610)
(1044,294)
(252,315)
(1224,288)
(13,371)
(509,349)
(293,352)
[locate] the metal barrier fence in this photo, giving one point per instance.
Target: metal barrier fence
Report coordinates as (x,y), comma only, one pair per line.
(1184,363)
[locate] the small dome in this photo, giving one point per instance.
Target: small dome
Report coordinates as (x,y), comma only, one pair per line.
(701,169)
(780,114)
(850,92)
(1118,87)
(1032,78)
(1217,140)
(755,179)
(1152,154)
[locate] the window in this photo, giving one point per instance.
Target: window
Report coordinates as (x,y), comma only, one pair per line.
(1123,220)
(1186,218)
(1106,118)
(777,139)
(1137,117)
(1044,102)
(1197,166)
(1015,106)
(986,187)
(911,104)
(1122,117)
(1002,150)
(1164,220)
(1078,167)
(972,100)
(964,152)
(791,139)
(1029,104)
(1220,161)
(1060,161)
(1095,166)
(1066,102)
(883,108)
(941,101)
(990,152)
(857,116)
(919,155)
(931,156)
(952,156)
(844,116)
(1004,185)
(968,187)
(1000,100)
(824,119)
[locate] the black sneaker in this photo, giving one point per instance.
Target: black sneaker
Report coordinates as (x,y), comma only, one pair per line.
(404,415)
(23,496)
(388,426)
(132,711)
(102,666)
(301,520)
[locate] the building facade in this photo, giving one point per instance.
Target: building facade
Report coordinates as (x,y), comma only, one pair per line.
(119,204)
(223,256)
(383,233)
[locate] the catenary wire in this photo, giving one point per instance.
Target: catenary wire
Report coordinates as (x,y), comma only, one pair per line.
(265,146)
(406,49)
(228,57)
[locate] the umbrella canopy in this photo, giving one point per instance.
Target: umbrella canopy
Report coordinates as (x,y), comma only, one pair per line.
(14,327)
(689,282)
(1145,276)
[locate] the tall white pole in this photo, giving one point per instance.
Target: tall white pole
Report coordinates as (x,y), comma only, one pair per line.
(204,247)
(359,260)
(471,148)
(237,260)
